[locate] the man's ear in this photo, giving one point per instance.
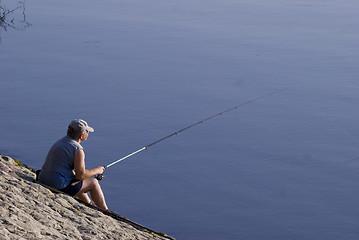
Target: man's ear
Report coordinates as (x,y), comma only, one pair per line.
(82,137)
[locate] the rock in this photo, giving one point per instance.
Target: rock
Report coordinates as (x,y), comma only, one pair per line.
(31,211)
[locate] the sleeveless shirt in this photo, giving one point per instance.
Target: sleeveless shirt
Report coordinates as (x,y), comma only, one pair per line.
(57,171)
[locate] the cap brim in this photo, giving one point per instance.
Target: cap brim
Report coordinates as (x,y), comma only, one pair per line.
(90,129)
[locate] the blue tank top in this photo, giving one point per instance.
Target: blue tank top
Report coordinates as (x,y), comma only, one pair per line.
(57,171)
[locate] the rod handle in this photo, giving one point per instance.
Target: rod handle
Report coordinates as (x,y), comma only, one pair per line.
(100,176)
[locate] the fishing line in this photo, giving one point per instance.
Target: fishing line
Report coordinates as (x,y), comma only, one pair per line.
(99,177)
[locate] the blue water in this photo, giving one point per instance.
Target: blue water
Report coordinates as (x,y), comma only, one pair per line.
(283,167)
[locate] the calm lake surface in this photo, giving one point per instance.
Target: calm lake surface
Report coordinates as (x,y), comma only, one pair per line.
(283,167)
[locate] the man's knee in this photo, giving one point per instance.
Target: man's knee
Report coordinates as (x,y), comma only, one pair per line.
(91,183)
(95,183)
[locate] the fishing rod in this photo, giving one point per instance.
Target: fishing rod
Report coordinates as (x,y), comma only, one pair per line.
(100,177)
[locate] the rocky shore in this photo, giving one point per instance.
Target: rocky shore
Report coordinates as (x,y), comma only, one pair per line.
(31,211)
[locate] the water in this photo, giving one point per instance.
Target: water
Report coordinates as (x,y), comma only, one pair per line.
(283,167)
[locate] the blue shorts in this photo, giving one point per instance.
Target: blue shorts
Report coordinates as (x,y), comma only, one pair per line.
(72,189)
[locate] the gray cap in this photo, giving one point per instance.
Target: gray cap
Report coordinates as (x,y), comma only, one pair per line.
(80,125)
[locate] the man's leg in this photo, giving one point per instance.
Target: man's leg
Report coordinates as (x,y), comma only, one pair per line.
(91,185)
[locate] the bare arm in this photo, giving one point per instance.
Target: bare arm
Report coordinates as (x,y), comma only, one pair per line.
(80,171)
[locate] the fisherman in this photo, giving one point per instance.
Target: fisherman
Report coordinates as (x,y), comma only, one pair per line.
(64,167)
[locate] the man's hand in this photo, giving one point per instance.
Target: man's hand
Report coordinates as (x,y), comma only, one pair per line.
(99,170)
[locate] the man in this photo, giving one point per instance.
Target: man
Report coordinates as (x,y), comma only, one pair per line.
(64,167)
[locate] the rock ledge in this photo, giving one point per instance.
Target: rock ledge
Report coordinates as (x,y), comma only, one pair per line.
(31,211)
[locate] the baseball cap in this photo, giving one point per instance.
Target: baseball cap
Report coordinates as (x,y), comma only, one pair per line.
(80,125)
